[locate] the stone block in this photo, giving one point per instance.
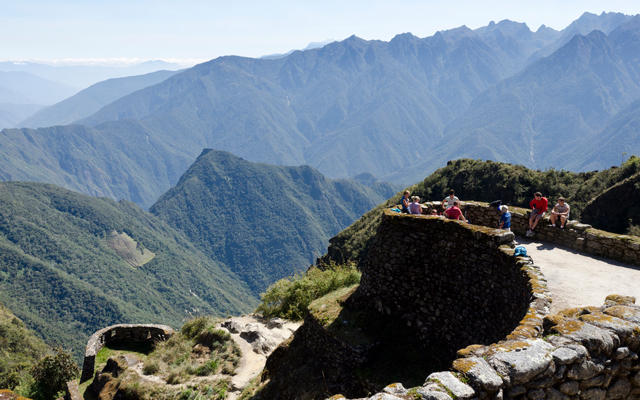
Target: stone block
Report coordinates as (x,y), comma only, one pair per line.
(593,394)
(595,339)
(570,388)
(586,369)
(395,388)
(564,355)
(535,394)
(480,372)
(458,389)
(618,390)
(554,394)
(524,363)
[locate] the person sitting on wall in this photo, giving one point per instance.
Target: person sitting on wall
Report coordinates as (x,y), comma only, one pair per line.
(415,207)
(434,212)
(538,206)
(505,218)
(560,212)
(405,202)
(454,212)
(449,200)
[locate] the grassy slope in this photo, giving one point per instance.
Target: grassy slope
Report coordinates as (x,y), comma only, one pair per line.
(20,349)
(58,275)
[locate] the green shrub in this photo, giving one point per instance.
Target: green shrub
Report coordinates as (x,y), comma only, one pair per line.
(52,373)
(634,230)
(290,297)
(193,327)
(209,368)
(151,368)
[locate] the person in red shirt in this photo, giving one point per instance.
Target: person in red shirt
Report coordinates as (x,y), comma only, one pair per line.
(455,212)
(538,206)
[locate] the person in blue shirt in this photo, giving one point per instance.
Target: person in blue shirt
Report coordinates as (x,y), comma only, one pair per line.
(505,218)
(405,202)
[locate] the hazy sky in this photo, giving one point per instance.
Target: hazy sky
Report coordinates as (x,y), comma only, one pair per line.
(205,29)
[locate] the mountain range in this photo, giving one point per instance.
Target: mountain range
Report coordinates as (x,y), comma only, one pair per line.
(24,88)
(91,99)
(83,76)
(396,109)
(71,264)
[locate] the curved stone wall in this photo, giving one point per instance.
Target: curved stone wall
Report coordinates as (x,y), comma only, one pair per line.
(456,284)
(587,353)
(579,236)
(127,333)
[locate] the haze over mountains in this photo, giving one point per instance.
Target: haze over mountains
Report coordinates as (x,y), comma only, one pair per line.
(92,99)
(396,109)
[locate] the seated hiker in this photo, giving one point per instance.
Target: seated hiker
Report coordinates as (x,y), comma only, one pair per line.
(454,212)
(505,218)
(449,200)
(560,212)
(538,206)
(415,207)
(405,202)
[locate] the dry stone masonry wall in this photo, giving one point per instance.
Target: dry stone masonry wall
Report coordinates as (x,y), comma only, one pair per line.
(456,284)
(127,333)
(579,236)
(582,353)
(589,353)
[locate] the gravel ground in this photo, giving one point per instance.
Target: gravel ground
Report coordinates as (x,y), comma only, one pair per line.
(576,279)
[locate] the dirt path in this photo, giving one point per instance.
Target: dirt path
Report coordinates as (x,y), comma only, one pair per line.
(252,363)
(576,279)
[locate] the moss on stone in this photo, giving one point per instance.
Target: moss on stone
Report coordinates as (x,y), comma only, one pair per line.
(463,365)
(621,300)
(507,346)
(622,311)
(567,327)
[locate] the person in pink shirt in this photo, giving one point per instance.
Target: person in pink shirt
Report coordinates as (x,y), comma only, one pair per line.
(538,206)
(415,207)
(454,212)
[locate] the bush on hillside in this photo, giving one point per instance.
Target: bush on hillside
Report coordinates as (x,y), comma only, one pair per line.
(290,297)
(52,373)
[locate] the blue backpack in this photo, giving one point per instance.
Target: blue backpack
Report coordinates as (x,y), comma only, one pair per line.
(520,251)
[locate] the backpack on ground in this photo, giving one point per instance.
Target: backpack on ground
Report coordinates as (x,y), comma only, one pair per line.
(520,251)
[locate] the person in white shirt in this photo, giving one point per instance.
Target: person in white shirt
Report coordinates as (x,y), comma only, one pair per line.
(449,200)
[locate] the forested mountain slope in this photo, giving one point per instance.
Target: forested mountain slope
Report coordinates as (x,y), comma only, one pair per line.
(488,181)
(71,264)
(90,100)
(264,221)
(127,162)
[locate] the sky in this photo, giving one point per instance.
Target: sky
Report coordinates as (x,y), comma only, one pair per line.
(190,31)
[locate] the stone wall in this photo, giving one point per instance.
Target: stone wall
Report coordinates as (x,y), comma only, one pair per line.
(579,236)
(126,333)
(456,284)
(588,353)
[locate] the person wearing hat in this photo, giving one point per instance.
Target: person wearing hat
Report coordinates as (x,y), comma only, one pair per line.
(505,218)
